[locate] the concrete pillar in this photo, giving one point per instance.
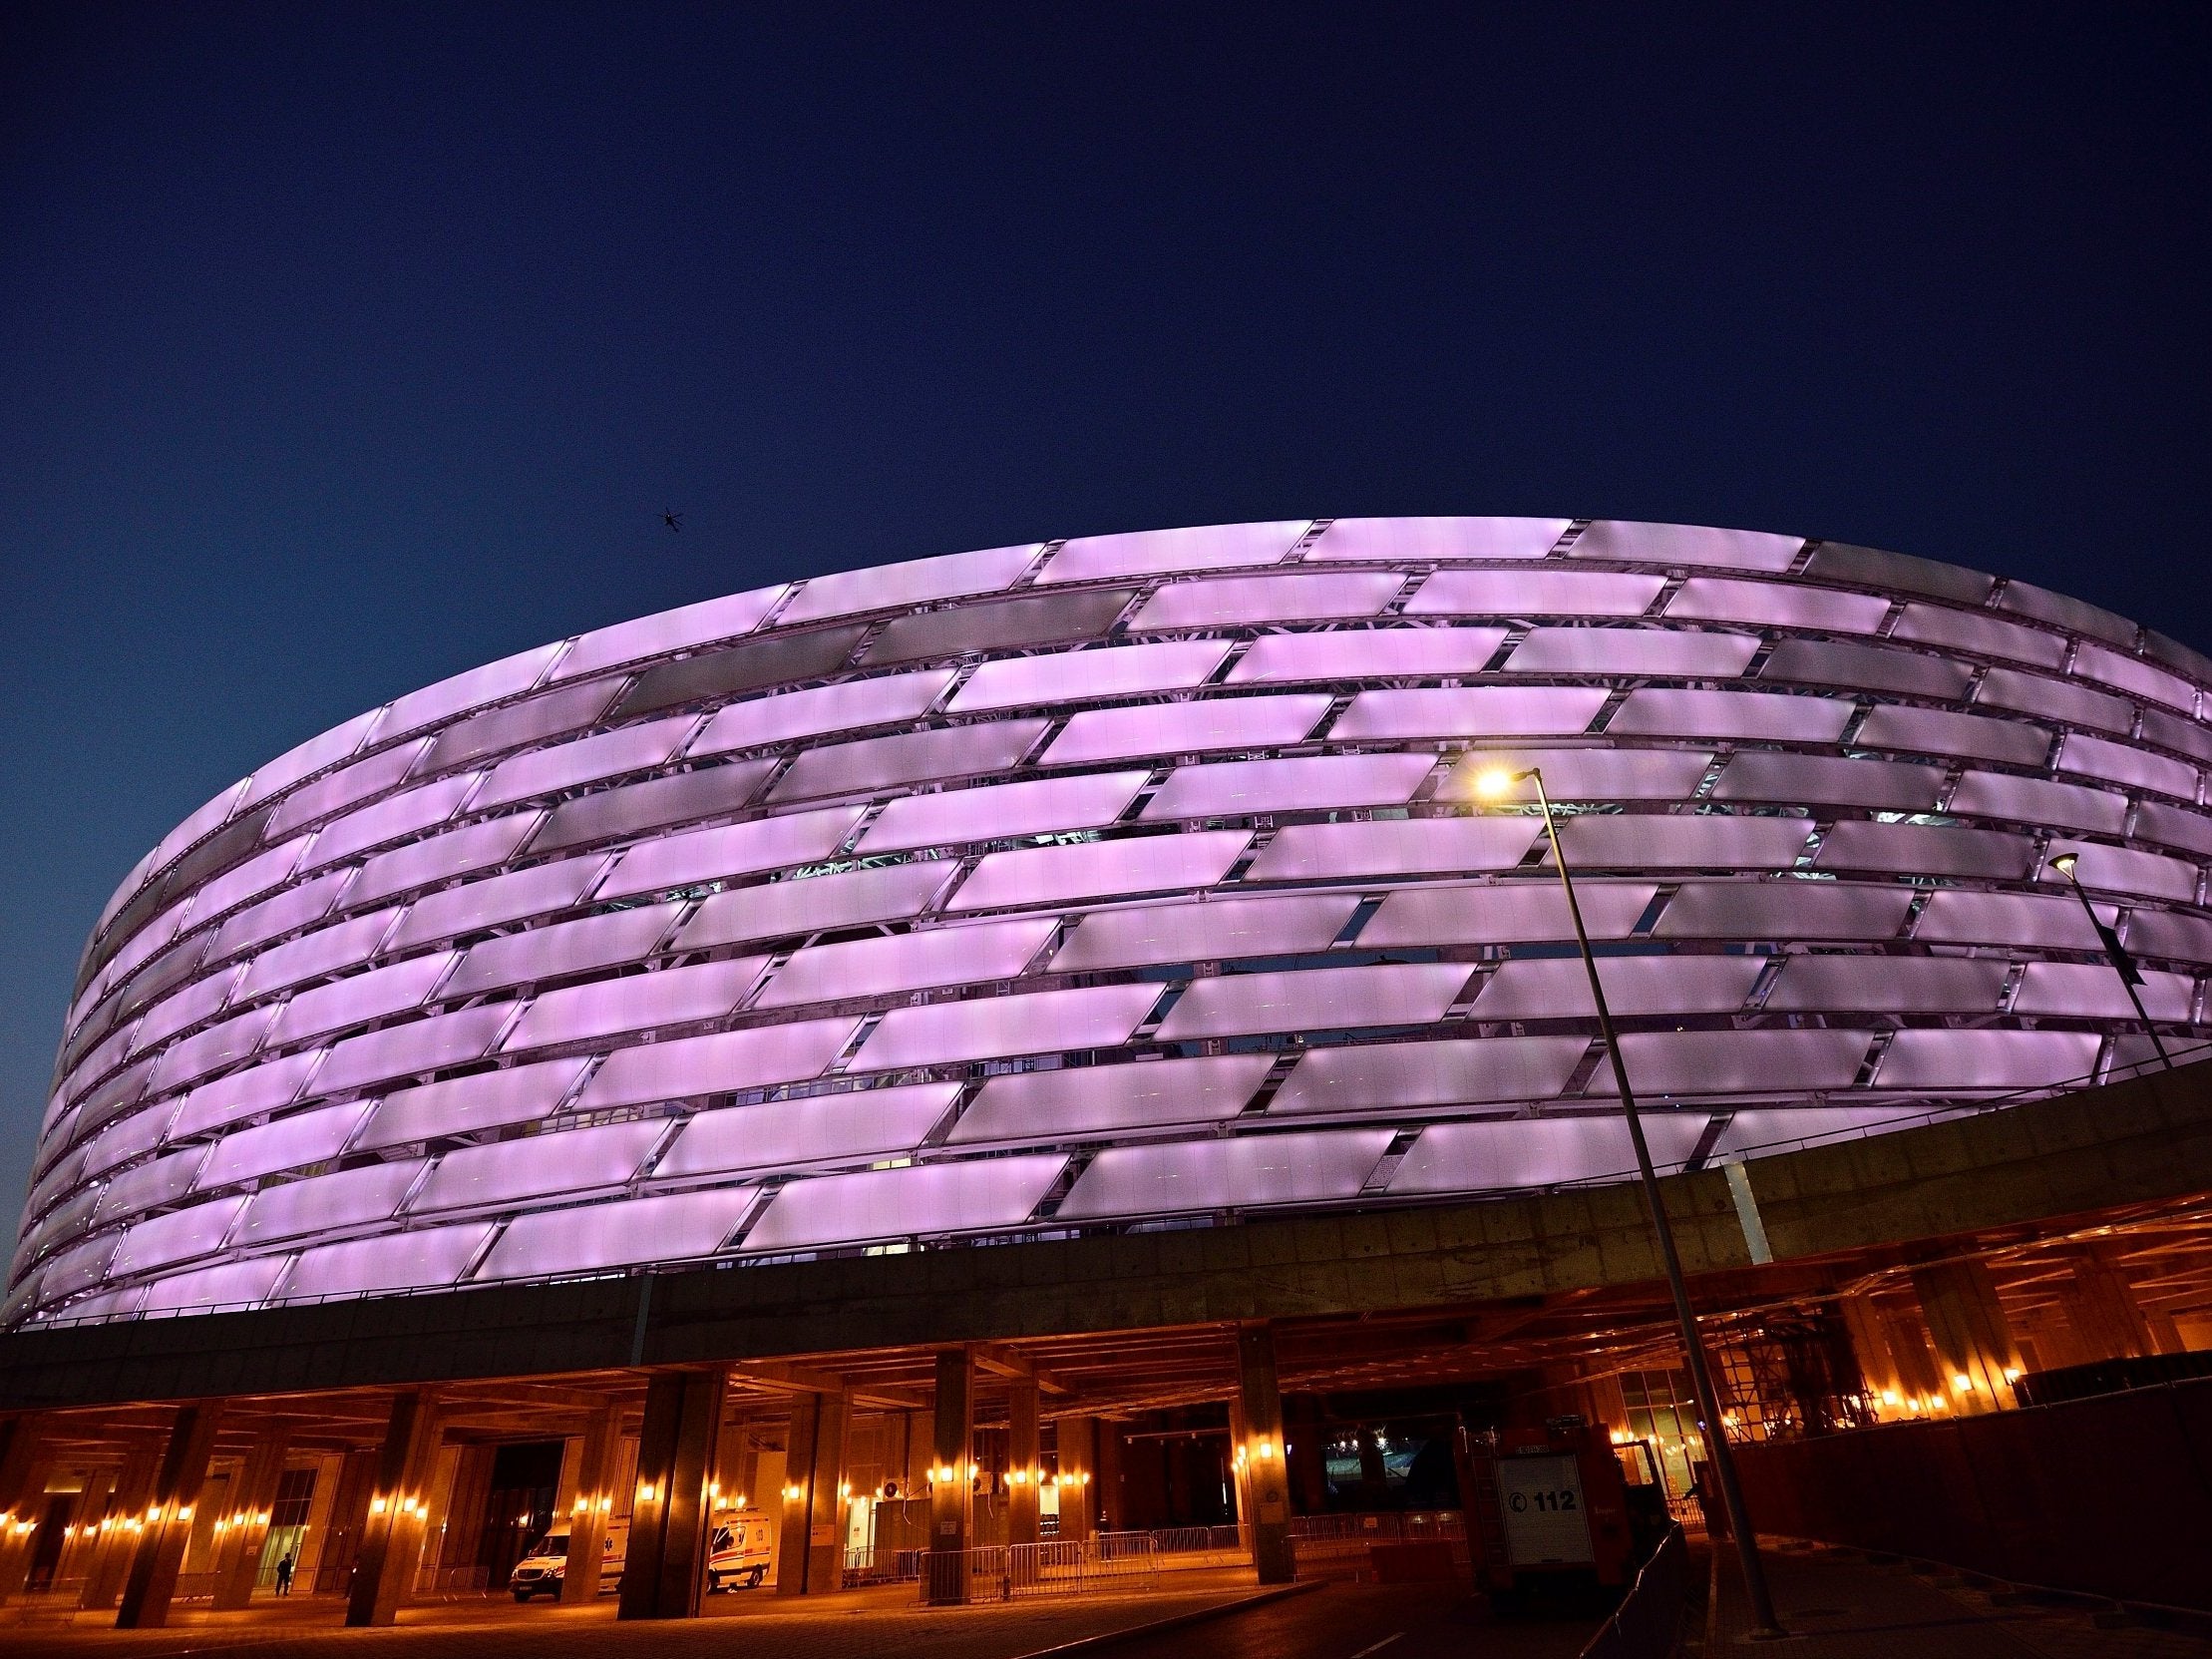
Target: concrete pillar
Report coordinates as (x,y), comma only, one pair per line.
(1024,1468)
(592,1506)
(1259,1407)
(1973,1338)
(1305,1448)
(1870,1347)
(665,1565)
(1077,1440)
(160,1550)
(1916,1366)
(246,1529)
(2165,1332)
(815,1486)
(22,1487)
(392,1533)
(2100,1305)
(952,1468)
(119,1525)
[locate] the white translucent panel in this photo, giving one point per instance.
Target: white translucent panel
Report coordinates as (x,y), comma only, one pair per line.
(1785,910)
(110,1054)
(306,760)
(2054,699)
(1094,1101)
(1394,847)
(854,1127)
(462,1105)
(1006,625)
(1986,1061)
(538,1166)
(428,1258)
(295,1142)
(404,1051)
(1960,916)
(141,1132)
(687,797)
(1419,541)
(1185,728)
(982,1196)
(495,900)
(693,1068)
(1924,850)
(635,1003)
(913,582)
(2184,736)
(365,996)
(1394,1077)
(228,1285)
(673,1228)
(126,890)
(852,706)
(1802,779)
(2160,933)
(1512,1153)
(210,816)
(1497,912)
(908,757)
(668,631)
(455,853)
(1245,1171)
(73,1270)
(1902,985)
(1250,601)
(815,904)
(1665,712)
(115,1096)
(748,849)
(2066,611)
(159,1181)
(141,945)
(1783,605)
(1165,551)
(1978,631)
(1215,930)
(1557,988)
(1688,652)
(390,820)
(591,759)
(532,722)
(1665,1064)
(908,961)
(1868,669)
(1469,711)
(1368,654)
(193,1057)
(249,880)
(1238,788)
(1892,725)
(288,911)
(198,1001)
(1872,568)
(1585,774)
(1004,811)
(2037,801)
(1686,544)
(1536,592)
(2174,826)
(2132,675)
(470,689)
(2092,990)
(381,771)
(2124,764)
(1316,999)
(562,948)
(1770,1129)
(990,1027)
(1066,676)
(325,951)
(1116,869)
(173,1237)
(1710,842)
(265,1088)
(2119,870)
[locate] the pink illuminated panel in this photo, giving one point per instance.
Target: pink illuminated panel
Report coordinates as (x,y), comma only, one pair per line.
(1185,728)
(426,1259)
(1064,677)
(1556,987)
(635,1003)
(175,1237)
(1107,1101)
(493,683)
(1686,544)
(853,1127)
(535,1166)
(193,1057)
(1978,631)
(1394,847)
(1496,913)
(1585,774)
(1536,592)
(2119,870)
(564,948)
(878,763)
(2019,800)
(1960,916)
(940,1034)
(1784,909)
(138,1133)
(1924,849)
(249,880)
(297,1142)
(2132,675)
(364,997)
(1169,552)
(324,751)
(1421,541)
(1786,605)
(1987,1062)
(1475,712)
(850,706)
(2122,763)
(2161,933)
(289,911)
(350,1198)
(571,765)
(1867,669)
(1939,731)
(1215,930)
(1368,654)
(1505,1155)
(676,1227)
(1660,711)
(212,816)
(465,1105)
(532,722)
(1237,788)
(736,850)
(1002,811)
(455,853)
(687,797)
(311,956)
(669,630)
(1700,1064)
(2054,699)
(390,820)
(1117,868)
(1401,1076)
(1249,601)
(198,1001)
(265,1088)
(778,909)
(230,1285)
(1247,1171)
(2174,826)
(1623,650)
(1902,984)
(2080,989)
(983,1196)
(1762,775)
(725,1063)
(1319,999)
(496,899)
(1662,842)
(404,1051)
(159,1181)
(908,961)
(915,581)
(334,793)
(1767,1129)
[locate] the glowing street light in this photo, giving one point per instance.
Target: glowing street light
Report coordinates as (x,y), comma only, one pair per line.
(2122,960)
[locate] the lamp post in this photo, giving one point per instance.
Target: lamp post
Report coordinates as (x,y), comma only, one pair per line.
(1764,1624)
(2123,963)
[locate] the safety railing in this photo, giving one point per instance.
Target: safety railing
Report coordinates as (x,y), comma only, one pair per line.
(1648,1622)
(1013,1572)
(1199,1547)
(883,1566)
(452,1583)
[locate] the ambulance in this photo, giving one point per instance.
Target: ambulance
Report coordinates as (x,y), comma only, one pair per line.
(739,1552)
(541,1570)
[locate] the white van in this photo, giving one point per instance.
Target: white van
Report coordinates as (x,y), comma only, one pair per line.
(541,1570)
(739,1554)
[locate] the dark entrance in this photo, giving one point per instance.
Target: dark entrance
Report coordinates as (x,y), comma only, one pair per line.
(520,1506)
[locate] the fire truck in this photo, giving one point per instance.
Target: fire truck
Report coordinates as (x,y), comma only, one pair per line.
(1552,1510)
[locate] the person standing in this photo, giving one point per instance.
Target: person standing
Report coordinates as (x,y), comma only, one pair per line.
(284,1573)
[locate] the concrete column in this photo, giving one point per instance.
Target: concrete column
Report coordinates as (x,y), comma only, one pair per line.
(952,1468)
(2165,1333)
(1870,1347)
(160,1550)
(2100,1305)
(665,1567)
(1077,1440)
(812,1554)
(22,1487)
(1023,1467)
(1305,1448)
(592,1508)
(247,1527)
(1973,1338)
(1917,1365)
(1260,1407)
(119,1528)
(392,1534)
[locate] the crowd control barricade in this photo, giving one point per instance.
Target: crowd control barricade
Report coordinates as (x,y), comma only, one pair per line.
(1014,1572)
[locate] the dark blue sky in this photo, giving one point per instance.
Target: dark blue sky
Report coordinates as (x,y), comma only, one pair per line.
(344,347)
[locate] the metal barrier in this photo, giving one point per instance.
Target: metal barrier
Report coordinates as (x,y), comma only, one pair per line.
(1012,1572)
(1648,1622)
(451,1583)
(1318,1538)
(1199,1547)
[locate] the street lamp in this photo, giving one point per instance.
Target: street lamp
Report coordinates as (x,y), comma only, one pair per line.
(2123,963)
(1493,784)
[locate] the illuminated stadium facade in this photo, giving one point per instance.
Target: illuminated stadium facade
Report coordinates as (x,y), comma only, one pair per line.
(1124,883)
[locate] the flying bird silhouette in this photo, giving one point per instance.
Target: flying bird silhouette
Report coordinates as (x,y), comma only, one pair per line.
(674,521)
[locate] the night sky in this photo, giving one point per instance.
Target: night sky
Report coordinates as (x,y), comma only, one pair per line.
(342,348)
